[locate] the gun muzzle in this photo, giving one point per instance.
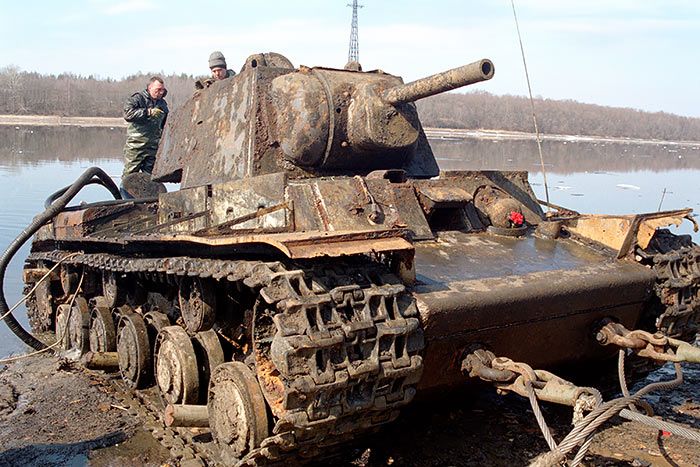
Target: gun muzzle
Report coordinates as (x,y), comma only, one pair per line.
(440,82)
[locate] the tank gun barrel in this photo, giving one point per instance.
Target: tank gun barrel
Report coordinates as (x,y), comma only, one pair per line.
(476,72)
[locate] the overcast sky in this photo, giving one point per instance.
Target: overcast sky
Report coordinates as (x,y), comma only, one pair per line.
(629,53)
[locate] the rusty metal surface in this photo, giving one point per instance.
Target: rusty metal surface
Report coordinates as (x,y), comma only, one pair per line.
(514,183)
(208,139)
(456,256)
(237,198)
(100,221)
(206,207)
(500,291)
(87,221)
(524,329)
(175,364)
(305,122)
(674,260)
(622,232)
(655,346)
(476,72)
(433,198)
(347,203)
(318,249)
(311,244)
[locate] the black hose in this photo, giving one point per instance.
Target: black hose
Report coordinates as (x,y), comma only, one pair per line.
(65,196)
(93,181)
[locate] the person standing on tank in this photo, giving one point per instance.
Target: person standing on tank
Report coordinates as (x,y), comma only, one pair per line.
(219,71)
(146,112)
(217,65)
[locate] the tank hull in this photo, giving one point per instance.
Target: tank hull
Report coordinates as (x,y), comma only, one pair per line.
(534,300)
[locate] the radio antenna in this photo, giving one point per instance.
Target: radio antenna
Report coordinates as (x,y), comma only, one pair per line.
(532,105)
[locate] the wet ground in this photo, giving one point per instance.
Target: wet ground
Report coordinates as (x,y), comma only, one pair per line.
(481,428)
(52,413)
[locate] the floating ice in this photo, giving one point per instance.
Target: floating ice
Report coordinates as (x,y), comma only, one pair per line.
(625,186)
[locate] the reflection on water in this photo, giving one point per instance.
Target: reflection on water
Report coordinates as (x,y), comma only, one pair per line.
(35,162)
(23,189)
(22,146)
(595,178)
(563,157)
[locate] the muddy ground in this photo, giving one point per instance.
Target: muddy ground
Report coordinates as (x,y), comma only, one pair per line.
(52,413)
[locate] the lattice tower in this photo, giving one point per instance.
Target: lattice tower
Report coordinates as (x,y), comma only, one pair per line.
(354,52)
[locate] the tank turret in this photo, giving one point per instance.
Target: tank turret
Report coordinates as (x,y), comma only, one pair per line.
(305,122)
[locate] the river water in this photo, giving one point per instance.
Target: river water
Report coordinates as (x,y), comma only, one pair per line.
(586,177)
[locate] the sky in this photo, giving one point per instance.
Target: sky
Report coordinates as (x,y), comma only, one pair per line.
(627,53)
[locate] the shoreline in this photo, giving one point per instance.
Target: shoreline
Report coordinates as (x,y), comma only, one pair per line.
(431,132)
(57,120)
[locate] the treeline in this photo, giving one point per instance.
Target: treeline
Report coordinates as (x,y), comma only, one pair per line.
(22,146)
(566,117)
(30,93)
(23,92)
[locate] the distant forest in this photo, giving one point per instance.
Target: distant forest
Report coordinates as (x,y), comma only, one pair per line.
(30,93)
(562,117)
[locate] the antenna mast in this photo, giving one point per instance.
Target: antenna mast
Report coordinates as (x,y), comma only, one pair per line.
(354,52)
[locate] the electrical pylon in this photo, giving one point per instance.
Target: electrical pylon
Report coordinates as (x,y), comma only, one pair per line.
(354,52)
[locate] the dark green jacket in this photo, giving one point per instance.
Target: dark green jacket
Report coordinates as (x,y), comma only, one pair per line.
(144,132)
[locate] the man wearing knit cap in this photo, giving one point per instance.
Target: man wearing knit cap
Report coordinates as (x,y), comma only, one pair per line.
(217,65)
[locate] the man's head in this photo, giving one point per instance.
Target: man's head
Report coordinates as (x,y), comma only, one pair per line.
(156,88)
(217,65)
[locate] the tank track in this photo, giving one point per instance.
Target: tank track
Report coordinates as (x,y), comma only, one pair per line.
(676,262)
(351,339)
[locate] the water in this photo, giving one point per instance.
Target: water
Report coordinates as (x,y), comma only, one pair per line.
(592,178)
(587,177)
(35,162)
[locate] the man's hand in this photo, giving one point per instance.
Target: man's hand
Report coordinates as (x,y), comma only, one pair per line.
(155,112)
(203,83)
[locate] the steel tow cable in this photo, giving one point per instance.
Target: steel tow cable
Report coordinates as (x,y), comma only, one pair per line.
(59,336)
(596,418)
(509,376)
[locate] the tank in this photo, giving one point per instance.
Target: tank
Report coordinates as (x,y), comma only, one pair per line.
(315,272)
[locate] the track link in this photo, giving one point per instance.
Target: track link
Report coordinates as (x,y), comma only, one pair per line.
(676,262)
(336,351)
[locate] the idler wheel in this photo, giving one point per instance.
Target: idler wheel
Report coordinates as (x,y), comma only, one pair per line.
(176,367)
(197,303)
(103,333)
(134,350)
(113,289)
(210,355)
(237,410)
(45,310)
(79,325)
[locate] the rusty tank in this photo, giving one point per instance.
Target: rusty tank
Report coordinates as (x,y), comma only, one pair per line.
(315,271)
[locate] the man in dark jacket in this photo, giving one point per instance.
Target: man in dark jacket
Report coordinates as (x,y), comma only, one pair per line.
(146,112)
